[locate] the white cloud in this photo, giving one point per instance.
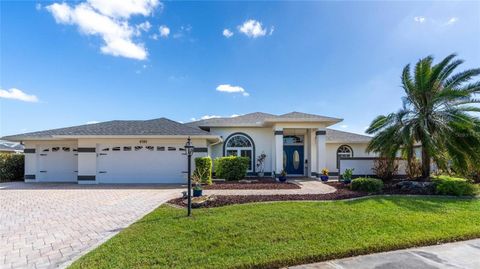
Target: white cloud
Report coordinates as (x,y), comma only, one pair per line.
(92,122)
(144,26)
(17,94)
(252,28)
(124,8)
(109,20)
(164,31)
(419,19)
(232,89)
(227,33)
(184,29)
(271,30)
(38,6)
(452,20)
(344,126)
(206,117)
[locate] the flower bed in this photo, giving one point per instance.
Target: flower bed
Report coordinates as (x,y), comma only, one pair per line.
(223,200)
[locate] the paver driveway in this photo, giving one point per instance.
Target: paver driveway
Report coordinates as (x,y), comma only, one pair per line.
(49,225)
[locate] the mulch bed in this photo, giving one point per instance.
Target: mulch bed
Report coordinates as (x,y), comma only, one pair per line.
(223,200)
(257,184)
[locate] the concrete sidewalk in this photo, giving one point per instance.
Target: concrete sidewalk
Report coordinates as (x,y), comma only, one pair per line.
(464,255)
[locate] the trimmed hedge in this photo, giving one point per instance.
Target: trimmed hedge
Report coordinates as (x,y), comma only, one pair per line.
(203,169)
(445,185)
(231,167)
(367,184)
(12,167)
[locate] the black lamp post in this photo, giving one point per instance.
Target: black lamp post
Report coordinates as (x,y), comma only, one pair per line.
(189,151)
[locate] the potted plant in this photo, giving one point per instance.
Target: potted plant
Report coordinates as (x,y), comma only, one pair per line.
(261,164)
(197,188)
(347,176)
(324,176)
(283,176)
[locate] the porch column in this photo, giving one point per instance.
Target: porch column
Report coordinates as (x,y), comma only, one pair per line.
(320,135)
(278,150)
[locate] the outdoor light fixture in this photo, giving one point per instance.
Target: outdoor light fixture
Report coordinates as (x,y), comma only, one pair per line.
(189,152)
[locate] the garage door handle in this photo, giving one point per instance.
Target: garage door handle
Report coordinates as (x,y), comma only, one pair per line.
(43,154)
(75,171)
(102,172)
(102,154)
(43,171)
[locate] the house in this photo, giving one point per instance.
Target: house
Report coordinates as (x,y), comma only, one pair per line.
(151,151)
(10,147)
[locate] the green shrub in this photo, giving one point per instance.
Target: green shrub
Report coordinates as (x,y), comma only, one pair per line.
(12,167)
(445,185)
(203,169)
(232,167)
(367,184)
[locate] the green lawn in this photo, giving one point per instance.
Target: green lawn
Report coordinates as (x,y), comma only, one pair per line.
(285,233)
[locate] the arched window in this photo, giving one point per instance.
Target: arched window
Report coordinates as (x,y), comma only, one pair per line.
(344,151)
(240,145)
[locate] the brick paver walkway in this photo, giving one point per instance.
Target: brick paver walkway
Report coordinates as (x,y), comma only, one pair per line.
(308,186)
(49,225)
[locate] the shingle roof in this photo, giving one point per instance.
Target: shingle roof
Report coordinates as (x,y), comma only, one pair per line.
(341,136)
(259,118)
(161,126)
(301,115)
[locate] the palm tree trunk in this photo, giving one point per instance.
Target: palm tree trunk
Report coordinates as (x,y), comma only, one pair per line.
(425,163)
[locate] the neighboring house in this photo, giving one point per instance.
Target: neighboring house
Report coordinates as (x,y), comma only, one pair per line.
(151,151)
(10,147)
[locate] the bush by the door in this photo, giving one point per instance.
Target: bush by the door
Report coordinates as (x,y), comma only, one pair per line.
(203,169)
(231,167)
(12,167)
(370,185)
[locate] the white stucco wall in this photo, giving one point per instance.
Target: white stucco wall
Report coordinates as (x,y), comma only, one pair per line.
(364,167)
(358,151)
(263,139)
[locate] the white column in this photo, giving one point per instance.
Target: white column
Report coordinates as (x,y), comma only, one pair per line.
(278,150)
(313,152)
(87,162)
(321,150)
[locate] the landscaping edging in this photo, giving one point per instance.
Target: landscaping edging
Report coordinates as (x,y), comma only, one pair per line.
(224,200)
(254,184)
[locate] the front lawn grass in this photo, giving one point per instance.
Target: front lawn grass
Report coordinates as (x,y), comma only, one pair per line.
(285,233)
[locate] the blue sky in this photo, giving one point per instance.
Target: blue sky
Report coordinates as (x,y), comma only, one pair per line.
(69,63)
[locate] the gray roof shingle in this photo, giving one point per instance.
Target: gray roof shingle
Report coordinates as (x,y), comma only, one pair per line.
(258,118)
(346,137)
(161,126)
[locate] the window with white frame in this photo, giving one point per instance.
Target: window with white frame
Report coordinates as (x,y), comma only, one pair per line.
(240,145)
(344,151)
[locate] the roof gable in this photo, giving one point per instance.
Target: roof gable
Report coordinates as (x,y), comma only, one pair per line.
(260,118)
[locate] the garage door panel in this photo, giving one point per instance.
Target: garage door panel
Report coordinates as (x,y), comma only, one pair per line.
(57,164)
(141,165)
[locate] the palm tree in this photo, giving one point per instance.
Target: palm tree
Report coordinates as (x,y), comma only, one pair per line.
(439,112)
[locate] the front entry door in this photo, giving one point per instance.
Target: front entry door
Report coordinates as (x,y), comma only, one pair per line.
(293,160)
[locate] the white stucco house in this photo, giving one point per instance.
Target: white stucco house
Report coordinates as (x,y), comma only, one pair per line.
(151,151)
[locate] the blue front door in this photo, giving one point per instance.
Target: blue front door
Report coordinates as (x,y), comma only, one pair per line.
(293,160)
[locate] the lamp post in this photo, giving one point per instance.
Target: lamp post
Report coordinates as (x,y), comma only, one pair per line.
(189,151)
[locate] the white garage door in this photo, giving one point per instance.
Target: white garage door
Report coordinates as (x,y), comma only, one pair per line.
(141,164)
(57,164)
